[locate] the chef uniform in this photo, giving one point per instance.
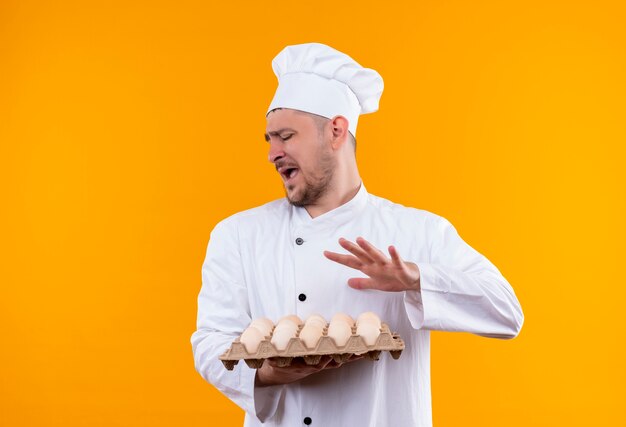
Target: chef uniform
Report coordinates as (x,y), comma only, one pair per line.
(268,262)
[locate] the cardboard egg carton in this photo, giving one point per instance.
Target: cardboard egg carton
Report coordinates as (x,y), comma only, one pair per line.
(326,346)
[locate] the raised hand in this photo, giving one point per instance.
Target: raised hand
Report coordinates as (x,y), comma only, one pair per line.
(385,274)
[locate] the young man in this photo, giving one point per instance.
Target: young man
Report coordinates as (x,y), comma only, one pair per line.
(321,249)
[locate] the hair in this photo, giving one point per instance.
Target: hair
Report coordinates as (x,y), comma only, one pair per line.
(321,122)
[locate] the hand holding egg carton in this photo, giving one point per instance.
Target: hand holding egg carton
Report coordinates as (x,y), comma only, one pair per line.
(311,340)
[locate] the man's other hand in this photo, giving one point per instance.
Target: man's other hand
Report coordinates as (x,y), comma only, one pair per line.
(385,274)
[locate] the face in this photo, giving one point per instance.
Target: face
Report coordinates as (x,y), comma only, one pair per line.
(301,155)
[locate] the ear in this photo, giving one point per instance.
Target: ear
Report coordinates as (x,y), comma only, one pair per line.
(339,129)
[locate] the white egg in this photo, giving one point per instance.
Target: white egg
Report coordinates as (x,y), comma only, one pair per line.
(251,338)
(310,335)
(281,337)
(368,331)
(286,322)
(316,322)
(344,317)
(369,317)
(316,319)
(374,322)
(292,317)
(263,324)
(315,316)
(340,332)
(287,325)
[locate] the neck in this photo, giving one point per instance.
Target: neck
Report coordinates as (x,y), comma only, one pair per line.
(338,194)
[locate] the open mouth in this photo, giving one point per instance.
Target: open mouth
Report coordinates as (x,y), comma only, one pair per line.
(289,173)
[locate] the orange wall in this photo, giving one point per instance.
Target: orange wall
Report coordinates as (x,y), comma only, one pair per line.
(128,131)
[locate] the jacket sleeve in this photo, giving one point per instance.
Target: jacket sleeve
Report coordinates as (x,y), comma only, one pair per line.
(461,290)
(223,314)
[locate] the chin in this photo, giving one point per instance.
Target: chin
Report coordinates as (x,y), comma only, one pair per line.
(294,198)
(295,201)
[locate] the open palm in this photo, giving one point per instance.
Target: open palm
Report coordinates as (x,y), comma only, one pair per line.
(385,274)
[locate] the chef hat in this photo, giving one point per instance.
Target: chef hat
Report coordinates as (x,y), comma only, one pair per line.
(318,79)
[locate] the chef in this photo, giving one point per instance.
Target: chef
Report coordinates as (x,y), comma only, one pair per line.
(330,246)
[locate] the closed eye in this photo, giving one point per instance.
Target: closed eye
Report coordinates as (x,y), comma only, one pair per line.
(283,134)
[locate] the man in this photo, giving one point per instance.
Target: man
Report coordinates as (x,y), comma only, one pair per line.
(321,250)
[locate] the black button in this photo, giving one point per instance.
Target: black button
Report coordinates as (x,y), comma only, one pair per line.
(307,420)
(299,241)
(302,297)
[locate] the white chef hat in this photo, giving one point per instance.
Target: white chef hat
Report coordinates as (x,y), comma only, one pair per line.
(318,79)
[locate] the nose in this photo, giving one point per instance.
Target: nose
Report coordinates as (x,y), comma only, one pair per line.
(276,151)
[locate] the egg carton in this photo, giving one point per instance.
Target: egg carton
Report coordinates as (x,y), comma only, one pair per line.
(326,346)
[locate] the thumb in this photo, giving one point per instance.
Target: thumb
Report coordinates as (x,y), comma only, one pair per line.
(361,283)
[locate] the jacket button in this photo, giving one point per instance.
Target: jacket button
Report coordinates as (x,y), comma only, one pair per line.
(302,297)
(307,420)
(299,241)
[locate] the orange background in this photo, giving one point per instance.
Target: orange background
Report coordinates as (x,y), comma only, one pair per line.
(129,129)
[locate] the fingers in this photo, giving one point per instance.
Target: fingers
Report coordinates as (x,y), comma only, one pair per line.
(363,251)
(395,257)
(355,250)
(396,260)
(335,365)
(299,367)
(347,260)
(383,273)
(361,283)
(372,251)
(356,357)
(324,362)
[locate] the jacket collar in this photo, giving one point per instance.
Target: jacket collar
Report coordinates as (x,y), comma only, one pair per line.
(340,215)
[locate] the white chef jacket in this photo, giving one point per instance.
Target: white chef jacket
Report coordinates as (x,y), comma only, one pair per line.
(268,261)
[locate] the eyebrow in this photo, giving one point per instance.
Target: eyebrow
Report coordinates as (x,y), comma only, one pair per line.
(278,132)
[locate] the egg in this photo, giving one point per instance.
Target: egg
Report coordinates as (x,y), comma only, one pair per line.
(316,319)
(264,325)
(292,328)
(292,317)
(310,335)
(315,316)
(368,331)
(368,317)
(340,332)
(251,338)
(286,323)
(372,322)
(281,337)
(344,317)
